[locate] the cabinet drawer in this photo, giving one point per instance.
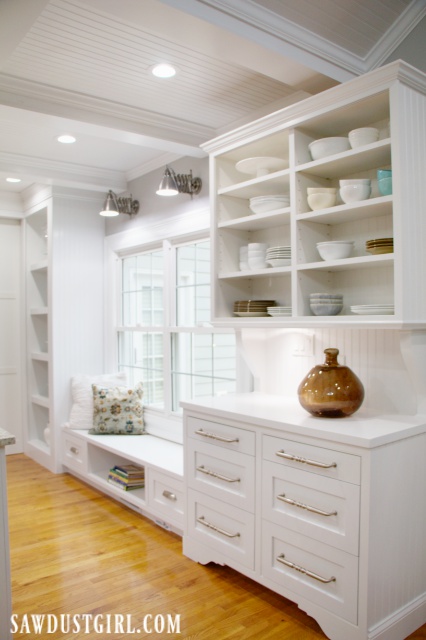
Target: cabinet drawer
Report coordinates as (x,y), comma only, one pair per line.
(322,508)
(327,577)
(221,435)
(326,462)
(166,496)
(226,529)
(74,453)
(222,474)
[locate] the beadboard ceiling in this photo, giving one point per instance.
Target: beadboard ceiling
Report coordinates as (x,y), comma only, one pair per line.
(83,67)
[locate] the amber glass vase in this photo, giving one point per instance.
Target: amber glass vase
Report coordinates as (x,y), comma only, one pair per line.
(331,390)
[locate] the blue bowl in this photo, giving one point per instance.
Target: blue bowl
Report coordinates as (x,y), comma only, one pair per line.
(384,173)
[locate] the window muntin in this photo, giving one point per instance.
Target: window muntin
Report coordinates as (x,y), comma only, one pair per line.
(185,358)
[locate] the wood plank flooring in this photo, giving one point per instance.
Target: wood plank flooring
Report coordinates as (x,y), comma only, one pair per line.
(74,552)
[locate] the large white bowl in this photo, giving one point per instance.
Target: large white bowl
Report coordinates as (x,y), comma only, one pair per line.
(355,192)
(362,136)
(328,147)
(311,190)
(321,200)
(335,250)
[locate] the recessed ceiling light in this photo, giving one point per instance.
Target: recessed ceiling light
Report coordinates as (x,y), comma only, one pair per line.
(66,139)
(163,70)
(13,179)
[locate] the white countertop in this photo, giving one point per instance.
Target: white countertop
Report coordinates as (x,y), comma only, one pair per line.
(363,428)
(6,438)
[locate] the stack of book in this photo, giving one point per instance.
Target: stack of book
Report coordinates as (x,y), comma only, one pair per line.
(127,476)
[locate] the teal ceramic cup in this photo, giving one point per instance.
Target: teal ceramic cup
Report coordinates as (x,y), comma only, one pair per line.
(384,181)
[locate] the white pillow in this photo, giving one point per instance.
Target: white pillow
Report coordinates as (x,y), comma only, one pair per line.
(81,416)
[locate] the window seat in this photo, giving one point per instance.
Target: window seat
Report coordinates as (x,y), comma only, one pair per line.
(90,457)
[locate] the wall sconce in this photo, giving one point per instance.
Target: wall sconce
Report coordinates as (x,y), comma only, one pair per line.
(114,205)
(174,183)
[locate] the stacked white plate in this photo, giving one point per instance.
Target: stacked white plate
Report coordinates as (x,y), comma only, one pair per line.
(373,309)
(278,256)
(262,204)
(279,311)
(252,308)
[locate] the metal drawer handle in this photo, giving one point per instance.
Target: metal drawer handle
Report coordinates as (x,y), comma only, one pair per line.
(314,463)
(305,506)
(208,472)
(213,436)
(169,495)
(296,567)
(74,450)
(204,522)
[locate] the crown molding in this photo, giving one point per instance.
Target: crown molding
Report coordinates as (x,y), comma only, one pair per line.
(407,21)
(62,173)
(250,20)
(159,131)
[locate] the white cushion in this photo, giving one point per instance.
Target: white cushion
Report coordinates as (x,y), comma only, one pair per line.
(81,416)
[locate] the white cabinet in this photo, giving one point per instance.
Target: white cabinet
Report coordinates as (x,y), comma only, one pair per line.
(64,252)
(322,511)
(392,99)
(38,325)
(90,457)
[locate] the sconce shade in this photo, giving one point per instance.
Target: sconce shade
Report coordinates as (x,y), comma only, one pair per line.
(168,185)
(114,205)
(110,208)
(173,183)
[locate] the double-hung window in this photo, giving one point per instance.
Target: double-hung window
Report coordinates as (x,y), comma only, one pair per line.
(165,338)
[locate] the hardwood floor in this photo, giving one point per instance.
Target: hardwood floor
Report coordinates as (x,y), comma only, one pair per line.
(74,552)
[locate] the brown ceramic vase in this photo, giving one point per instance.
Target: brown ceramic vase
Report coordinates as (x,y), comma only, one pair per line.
(331,390)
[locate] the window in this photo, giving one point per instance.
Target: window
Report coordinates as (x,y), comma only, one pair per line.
(165,339)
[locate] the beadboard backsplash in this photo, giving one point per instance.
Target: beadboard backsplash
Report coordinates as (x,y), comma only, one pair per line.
(280,358)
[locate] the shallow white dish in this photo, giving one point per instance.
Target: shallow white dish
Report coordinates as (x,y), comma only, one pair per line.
(373,310)
(260,166)
(250,314)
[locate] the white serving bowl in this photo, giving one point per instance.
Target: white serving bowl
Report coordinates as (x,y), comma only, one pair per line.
(257,246)
(362,136)
(321,200)
(257,264)
(311,190)
(355,192)
(328,147)
(345,183)
(335,250)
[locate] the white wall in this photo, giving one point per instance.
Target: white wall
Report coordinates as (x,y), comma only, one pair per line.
(413,48)
(155,209)
(11,417)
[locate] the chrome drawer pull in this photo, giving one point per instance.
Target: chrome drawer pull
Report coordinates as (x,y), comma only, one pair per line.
(314,463)
(204,522)
(169,495)
(74,450)
(296,567)
(208,472)
(213,436)
(306,506)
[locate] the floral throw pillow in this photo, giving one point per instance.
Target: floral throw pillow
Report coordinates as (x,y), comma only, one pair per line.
(117,410)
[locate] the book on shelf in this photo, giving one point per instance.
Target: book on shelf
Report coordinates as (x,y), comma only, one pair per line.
(121,479)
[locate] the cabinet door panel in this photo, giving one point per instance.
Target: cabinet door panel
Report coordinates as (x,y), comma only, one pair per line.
(226,475)
(221,435)
(312,459)
(322,508)
(326,576)
(166,496)
(226,529)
